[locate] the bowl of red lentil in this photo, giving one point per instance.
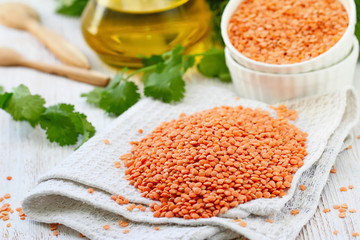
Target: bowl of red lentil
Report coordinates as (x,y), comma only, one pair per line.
(273,88)
(291,36)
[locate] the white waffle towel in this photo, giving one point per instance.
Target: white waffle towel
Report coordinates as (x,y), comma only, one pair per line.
(62,197)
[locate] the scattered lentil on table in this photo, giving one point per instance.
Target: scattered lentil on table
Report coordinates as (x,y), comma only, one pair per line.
(288,31)
(201,165)
(326,210)
(106,227)
(343,189)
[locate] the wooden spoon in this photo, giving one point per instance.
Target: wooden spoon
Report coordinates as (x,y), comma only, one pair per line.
(23,17)
(9,57)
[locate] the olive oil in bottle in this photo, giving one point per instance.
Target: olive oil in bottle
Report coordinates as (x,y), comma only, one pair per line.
(121,30)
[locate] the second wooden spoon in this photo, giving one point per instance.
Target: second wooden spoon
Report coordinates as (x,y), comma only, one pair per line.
(9,57)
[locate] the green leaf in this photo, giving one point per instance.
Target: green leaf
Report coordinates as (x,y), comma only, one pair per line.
(94,96)
(116,98)
(23,106)
(119,98)
(167,86)
(4,97)
(188,62)
(152,60)
(88,130)
(213,65)
(64,126)
(72,8)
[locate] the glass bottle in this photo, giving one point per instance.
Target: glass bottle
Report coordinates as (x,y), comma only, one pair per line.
(119,31)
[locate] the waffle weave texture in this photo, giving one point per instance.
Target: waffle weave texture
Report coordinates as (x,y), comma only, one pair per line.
(61,195)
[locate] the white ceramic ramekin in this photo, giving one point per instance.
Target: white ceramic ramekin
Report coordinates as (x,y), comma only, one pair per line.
(272,88)
(328,58)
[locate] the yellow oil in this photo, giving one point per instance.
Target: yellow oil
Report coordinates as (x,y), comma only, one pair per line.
(121,30)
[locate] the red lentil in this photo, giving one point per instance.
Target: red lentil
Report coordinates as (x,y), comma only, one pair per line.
(56,233)
(341,210)
(355,234)
(336,206)
(284,113)
(269,220)
(302,187)
(336,232)
(358,137)
(120,199)
(333,170)
(214,160)
(81,235)
(106,227)
(352,210)
(294,212)
(156,228)
(349,147)
(7,196)
(285,32)
(326,210)
(9,178)
(90,190)
(126,231)
(123,224)
(344,205)
(106,141)
(351,187)
(8,225)
(343,189)
(117,164)
(342,215)
(140,131)
(243,224)
(5,211)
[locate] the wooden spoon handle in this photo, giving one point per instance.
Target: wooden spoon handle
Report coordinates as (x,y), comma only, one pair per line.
(78,74)
(62,49)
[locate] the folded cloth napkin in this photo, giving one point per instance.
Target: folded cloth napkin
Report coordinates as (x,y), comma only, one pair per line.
(62,197)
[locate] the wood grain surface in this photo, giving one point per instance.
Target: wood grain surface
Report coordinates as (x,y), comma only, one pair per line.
(25,154)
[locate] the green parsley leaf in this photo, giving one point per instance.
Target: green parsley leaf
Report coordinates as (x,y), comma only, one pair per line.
(165,82)
(87,129)
(61,123)
(213,65)
(23,106)
(116,98)
(153,59)
(167,86)
(120,98)
(4,99)
(188,62)
(64,126)
(72,8)
(94,96)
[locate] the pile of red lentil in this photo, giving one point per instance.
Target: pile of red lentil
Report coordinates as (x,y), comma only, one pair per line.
(201,165)
(287,31)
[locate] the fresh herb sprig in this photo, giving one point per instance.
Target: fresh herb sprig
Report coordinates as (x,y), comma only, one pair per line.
(62,124)
(72,8)
(163,79)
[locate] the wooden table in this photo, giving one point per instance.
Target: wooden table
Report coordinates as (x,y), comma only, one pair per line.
(25,154)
